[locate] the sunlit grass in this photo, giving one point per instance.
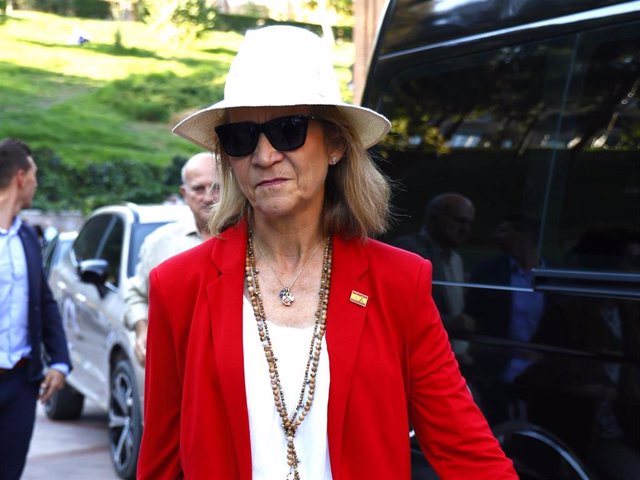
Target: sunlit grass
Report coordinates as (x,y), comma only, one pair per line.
(105,100)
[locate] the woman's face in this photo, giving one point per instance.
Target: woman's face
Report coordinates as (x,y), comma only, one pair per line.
(283,185)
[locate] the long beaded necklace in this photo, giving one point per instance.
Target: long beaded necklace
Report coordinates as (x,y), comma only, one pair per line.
(286,295)
(290,423)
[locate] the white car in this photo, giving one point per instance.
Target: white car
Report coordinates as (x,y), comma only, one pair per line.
(88,283)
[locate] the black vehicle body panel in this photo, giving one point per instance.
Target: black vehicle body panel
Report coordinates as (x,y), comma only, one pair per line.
(530,109)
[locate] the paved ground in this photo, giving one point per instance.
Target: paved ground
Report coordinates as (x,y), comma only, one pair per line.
(73,450)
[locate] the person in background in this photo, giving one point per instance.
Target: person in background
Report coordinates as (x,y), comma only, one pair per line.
(512,314)
(200,189)
(29,316)
(292,345)
(446,224)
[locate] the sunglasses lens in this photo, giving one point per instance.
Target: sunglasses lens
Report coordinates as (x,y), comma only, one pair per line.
(287,133)
(238,139)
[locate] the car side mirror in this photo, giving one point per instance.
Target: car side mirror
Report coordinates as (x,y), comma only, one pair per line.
(94,271)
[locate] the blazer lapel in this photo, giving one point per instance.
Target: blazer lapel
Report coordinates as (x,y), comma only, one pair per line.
(34,264)
(345,322)
(224,295)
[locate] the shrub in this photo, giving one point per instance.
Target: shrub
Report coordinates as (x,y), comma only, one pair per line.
(78,8)
(155,97)
(63,187)
(91,8)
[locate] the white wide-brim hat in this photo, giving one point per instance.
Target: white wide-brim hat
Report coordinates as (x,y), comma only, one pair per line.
(281,66)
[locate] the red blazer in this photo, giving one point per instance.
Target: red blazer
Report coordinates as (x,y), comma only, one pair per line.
(390,363)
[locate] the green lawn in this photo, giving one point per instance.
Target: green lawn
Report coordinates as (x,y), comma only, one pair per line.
(104,101)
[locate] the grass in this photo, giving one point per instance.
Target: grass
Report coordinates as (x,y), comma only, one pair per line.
(115,97)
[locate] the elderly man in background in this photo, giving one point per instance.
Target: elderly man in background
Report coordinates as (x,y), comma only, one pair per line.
(200,189)
(30,324)
(447,222)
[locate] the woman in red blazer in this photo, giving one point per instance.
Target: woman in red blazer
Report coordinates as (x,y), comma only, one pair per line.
(291,345)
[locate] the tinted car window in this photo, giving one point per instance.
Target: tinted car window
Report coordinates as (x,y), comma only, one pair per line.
(48,254)
(594,208)
(484,127)
(138,234)
(89,239)
(111,250)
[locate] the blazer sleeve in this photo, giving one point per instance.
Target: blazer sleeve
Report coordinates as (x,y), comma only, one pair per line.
(45,323)
(450,428)
(160,449)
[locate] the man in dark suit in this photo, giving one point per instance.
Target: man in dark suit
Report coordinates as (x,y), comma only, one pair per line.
(30,325)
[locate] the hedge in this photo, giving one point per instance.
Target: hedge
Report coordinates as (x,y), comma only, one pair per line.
(65,187)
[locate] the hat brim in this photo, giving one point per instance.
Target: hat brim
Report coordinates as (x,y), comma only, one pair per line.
(198,128)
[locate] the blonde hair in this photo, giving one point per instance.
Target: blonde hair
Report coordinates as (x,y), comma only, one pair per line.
(356,202)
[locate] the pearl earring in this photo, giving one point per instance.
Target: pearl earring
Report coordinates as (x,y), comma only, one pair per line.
(333,160)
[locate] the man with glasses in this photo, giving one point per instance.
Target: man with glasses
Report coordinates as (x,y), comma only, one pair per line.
(200,189)
(29,316)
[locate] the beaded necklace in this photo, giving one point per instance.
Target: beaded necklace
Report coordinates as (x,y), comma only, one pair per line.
(291,423)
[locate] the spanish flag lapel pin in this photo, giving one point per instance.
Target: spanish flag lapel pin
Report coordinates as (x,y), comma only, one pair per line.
(358,298)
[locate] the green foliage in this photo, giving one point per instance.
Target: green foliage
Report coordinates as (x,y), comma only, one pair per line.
(194,17)
(117,41)
(155,97)
(181,19)
(85,188)
(251,9)
(78,8)
(98,116)
(129,9)
(344,7)
(91,8)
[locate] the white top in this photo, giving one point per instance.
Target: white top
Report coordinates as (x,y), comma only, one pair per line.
(268,444)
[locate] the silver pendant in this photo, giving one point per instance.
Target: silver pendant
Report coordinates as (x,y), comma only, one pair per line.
(286,297)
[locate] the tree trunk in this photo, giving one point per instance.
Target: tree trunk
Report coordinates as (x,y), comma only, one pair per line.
(367,15)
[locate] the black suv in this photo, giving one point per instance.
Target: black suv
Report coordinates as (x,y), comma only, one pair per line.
(515,149)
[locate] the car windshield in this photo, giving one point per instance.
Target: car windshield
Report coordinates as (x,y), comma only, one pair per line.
(138,234)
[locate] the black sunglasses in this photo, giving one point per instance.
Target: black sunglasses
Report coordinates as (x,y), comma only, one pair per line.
(284,133)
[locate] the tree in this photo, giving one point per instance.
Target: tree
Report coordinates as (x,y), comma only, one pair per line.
(181,19)
(326,8)
(344,7)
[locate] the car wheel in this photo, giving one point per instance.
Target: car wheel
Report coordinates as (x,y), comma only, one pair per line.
(125,420)
(65,404)
(537,453)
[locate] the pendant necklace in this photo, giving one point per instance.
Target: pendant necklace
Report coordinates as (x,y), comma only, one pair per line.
(286,296)
(291,422)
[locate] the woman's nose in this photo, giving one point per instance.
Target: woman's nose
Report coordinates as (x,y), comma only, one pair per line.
(265,154)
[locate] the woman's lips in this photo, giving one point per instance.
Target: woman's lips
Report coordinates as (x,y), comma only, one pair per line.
(271,182)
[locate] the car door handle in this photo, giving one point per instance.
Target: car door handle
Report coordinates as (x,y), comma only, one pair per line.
(580,282)
(80,297)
